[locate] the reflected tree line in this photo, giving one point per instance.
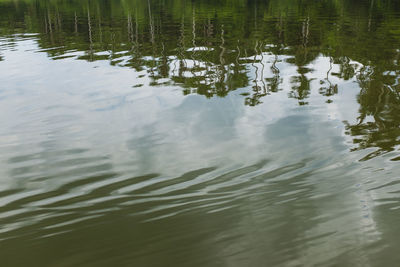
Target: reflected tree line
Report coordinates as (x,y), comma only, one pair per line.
(214,47)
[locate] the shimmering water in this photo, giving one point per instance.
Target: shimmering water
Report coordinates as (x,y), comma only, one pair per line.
(199,133)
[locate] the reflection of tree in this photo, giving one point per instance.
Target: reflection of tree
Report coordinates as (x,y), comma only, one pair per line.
(259,88)
(273,82)
(145,42)
(303,55)
(347,70)
(213,48)
(379,120)
(301,88)
(330,89)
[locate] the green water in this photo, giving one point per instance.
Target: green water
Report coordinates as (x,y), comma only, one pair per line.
(199,133)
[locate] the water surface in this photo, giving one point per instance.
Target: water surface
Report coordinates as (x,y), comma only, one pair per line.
(199,133)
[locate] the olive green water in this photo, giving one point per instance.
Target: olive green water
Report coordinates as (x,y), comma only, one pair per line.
(199,133)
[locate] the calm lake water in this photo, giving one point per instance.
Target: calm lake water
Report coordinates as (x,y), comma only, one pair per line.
(199,133)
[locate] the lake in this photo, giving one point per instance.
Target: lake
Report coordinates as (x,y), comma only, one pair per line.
(199,133)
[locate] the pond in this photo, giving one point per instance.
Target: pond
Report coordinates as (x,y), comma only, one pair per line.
(199,133)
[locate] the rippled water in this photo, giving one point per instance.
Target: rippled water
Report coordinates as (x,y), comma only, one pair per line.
(199,133)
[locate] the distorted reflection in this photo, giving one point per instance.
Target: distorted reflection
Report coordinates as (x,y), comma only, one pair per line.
(211,53)
(235,132)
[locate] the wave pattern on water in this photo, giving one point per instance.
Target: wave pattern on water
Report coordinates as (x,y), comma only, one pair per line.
(225,133)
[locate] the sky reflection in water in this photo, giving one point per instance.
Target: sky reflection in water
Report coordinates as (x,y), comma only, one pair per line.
(195,133)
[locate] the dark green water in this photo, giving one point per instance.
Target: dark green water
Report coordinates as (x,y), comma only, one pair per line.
(199,133)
